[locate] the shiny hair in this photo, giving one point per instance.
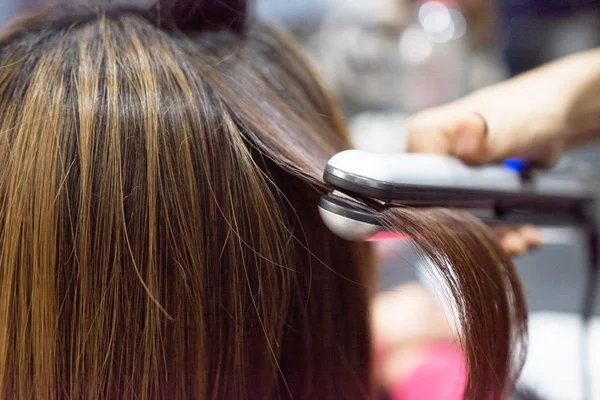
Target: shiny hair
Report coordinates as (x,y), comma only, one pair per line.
(159,224)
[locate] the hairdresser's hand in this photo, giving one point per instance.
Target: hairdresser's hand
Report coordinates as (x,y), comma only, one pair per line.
(517,118)
(535,115)
(495,131)
(491,125)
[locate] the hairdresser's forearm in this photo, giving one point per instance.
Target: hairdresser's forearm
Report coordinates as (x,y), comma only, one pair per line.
(581,107)
(563,95)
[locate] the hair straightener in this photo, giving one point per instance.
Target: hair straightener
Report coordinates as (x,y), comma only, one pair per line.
(509,194)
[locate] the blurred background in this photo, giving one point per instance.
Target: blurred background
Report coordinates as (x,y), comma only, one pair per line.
(386,59)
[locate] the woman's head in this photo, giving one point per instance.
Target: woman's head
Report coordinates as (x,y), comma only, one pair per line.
(150,245)
(158,218)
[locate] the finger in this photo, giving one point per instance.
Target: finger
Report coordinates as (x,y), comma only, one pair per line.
(476,140)
(449,130)
(468,139)
(531,235)
(507,140)
(517,240)
(429,132)
(514,243)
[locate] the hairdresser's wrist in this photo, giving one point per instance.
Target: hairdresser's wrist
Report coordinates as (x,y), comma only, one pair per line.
(558,102)
(582,100)
(572,86)
(535,115)
(522,118)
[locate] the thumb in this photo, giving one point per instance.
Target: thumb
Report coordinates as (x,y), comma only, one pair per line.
(478,140)
(469,139)
(444,131)
(474,139)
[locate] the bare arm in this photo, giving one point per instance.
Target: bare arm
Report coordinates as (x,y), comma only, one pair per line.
(536,115)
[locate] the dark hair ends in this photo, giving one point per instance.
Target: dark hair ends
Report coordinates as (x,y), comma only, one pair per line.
(483,288)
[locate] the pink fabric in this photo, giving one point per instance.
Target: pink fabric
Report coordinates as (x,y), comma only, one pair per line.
(441,376)
(385,236)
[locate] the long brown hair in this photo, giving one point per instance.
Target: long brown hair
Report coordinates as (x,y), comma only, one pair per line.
(159,227)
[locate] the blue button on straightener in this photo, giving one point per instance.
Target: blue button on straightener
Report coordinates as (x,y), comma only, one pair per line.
(516,164)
